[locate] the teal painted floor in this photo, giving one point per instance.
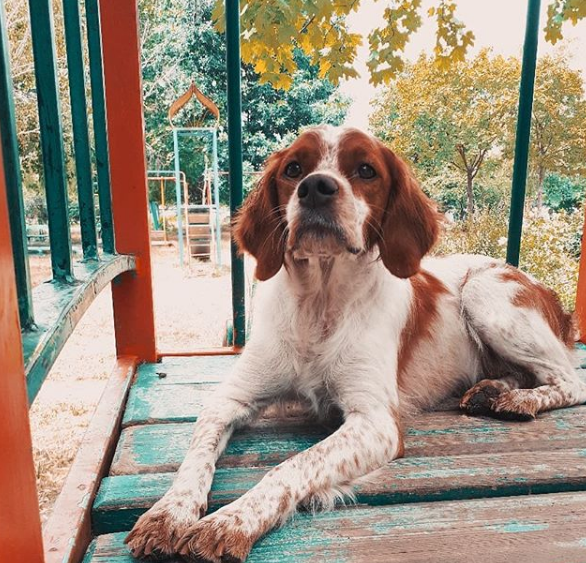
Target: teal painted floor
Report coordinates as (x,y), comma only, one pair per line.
(469,489)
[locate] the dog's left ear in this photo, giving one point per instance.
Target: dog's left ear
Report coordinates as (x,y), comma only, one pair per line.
(410,224)
(259,226)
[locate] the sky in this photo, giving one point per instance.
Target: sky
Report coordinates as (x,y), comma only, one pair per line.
(499,24)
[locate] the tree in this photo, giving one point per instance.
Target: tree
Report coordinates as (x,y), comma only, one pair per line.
(558,129)
(436,118)
(180,44)
(274,29)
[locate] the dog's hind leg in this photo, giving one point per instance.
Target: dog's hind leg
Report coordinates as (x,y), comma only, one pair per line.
(524,325)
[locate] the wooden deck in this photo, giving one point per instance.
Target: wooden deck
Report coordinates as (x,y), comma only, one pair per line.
(469,489)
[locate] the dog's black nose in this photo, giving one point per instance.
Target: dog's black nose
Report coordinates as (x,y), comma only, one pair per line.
(317,190)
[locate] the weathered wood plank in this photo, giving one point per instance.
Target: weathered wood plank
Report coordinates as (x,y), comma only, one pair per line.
(177,394)
(122,499)
(174,389)
(538,529)
(159,448)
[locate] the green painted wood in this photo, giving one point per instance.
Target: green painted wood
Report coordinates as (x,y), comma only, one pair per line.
(173,390)
(94,39)
(43,37)
(535,529)
(81,141)
(59,306)
(13,178)
(122,499)
(187,381)
(161,447)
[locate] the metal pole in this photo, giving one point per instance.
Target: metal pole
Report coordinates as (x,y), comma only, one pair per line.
(163,210)
(217,196)
(81,139)
(44,55)
(178,195)
(94,41)
(14,181)
(523,132)
(235,159)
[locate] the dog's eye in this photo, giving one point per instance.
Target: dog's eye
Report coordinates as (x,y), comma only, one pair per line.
(366,171)
(293,170)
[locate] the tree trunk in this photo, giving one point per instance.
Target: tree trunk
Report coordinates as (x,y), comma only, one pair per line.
(540,180)
(469,195)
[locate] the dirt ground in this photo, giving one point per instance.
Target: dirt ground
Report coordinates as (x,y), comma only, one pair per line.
(192,305)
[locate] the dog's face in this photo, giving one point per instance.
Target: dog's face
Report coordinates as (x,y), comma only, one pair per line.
(336,191)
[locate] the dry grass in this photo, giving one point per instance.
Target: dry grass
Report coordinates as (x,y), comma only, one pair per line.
(192,306)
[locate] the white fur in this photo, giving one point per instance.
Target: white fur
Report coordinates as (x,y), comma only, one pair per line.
(327,330)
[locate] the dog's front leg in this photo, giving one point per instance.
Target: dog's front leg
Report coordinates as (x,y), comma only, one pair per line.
(237,401)
(362,444)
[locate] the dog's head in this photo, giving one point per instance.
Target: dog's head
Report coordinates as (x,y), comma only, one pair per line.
(336,191)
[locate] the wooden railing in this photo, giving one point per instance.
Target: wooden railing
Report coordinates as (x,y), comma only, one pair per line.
(49,313)
(35,323)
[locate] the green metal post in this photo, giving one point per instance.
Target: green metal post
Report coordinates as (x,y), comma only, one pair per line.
(216,196)
(81,141)
(523,132)
(42,32)
(94,39)
(14,181)
(178,196)
(235,159)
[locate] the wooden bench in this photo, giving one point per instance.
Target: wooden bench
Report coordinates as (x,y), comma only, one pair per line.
(468,489)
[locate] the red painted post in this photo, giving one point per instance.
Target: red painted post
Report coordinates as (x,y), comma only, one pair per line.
(581,291)
(133,297)
(20,523)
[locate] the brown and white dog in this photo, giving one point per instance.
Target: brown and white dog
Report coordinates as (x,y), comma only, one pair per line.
(352,316)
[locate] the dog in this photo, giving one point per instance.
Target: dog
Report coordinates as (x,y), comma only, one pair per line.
(352,316)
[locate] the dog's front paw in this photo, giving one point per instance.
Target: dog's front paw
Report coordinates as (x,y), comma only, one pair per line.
(222,537)
(157,531)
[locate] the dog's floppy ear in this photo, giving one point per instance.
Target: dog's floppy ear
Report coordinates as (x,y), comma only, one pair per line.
(259,226)
(410,224)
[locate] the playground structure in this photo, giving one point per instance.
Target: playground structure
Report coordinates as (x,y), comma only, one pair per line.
(516,491)
(202,223)
(158,214)
(198,239)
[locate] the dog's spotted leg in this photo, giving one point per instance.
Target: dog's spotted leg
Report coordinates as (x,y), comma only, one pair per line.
(238,400)
(362,444)
(526,403)
(531,331)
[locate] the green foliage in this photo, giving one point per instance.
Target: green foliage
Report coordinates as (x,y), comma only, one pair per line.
(439,120)
(460,126)
(274,29)
(548,250)
(491,190)
(180,45)
(560,11)
(563,193)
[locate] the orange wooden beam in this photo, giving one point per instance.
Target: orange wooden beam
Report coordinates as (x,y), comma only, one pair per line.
(581,291)
(224,351)
(20,523)
(132,293)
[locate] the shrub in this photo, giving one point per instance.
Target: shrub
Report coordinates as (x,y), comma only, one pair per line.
(550,247)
